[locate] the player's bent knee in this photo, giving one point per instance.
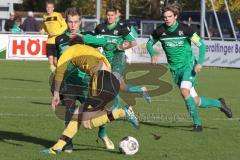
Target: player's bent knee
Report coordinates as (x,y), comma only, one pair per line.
(185,92)
(86,124)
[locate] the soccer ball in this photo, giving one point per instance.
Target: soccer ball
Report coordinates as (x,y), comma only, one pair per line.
(128,145)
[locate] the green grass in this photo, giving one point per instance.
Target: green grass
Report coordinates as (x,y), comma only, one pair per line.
(28,125)
(3,54)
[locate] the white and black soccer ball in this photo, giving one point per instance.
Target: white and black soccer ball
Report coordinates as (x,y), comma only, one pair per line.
(128,145)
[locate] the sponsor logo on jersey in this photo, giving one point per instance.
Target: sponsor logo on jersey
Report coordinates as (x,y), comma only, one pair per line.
(180,33)
(115,32)
(103,30)
(164,34)
(174,44)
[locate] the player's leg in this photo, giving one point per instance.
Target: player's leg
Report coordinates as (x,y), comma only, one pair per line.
(185,78)
(70,105)
(70,93)
(107,89)
(204,102)
(91,121)
(118,67)
(51,52)
(68,133)
(191,105)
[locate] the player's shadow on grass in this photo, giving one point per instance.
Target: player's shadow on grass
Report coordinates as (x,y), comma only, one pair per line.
(94,148)
(177,127)
(41,103)
(22,80)
(17,136)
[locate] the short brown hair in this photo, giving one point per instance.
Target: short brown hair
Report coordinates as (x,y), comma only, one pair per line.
(50,2)
(73,12)
(175,8)
(111,9)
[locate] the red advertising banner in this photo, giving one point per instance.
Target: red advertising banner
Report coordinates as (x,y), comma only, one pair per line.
(26,47)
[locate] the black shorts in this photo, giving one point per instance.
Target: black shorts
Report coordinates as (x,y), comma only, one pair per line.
(104,87)
(51,50)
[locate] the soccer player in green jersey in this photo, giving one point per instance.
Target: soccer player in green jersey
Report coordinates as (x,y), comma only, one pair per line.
(113,28)
(176,41)
(76,84)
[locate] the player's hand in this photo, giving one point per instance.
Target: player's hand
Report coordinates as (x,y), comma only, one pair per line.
(154,59)
(124,46)
(120,48)
(198,68)
(55,101)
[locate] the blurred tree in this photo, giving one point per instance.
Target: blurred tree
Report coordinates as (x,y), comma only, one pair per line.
(234,7)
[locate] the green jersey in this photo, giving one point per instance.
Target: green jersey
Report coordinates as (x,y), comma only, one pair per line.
(117,30)
(176,42)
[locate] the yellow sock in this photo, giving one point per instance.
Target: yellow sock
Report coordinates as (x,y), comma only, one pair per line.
(69,131)
(103,119)
(98,121)
(71,128)
(59,145)
(119,113)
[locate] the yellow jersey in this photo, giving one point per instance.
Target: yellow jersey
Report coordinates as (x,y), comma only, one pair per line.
(81,56)
(54,25)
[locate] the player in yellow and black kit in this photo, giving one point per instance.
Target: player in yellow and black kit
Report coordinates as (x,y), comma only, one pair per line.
(54,25)
(103,88)
(75,86)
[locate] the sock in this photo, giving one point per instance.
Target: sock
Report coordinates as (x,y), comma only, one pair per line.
(69,132)
(116,101)
(209,103)
(102,131)
(71,129)
(192,109)
(120,113)
(59,145)
(106,118)
(134,89)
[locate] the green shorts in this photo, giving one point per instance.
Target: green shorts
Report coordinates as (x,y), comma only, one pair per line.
(119,62)
(75,85)
(186,73)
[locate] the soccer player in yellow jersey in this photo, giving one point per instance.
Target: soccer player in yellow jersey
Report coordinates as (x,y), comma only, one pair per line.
(103,88)
(54,25)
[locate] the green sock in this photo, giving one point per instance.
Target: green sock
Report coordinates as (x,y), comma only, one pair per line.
(209,103)
(192,109)
(102,131)
(116,101)
(134,89)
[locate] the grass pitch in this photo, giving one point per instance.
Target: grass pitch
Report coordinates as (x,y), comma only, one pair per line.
(28,125)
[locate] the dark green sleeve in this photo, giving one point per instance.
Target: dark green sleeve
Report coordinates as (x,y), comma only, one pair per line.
(149,46)
(94,40)
(130,37)
(201,45)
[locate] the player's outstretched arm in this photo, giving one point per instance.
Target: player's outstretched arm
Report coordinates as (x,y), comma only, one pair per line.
(202,50)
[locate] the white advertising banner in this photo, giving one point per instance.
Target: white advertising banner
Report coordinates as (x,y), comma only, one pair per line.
(139,53)
(218,53)
(26,47)
(3,42)
(33,47)
(222,53)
